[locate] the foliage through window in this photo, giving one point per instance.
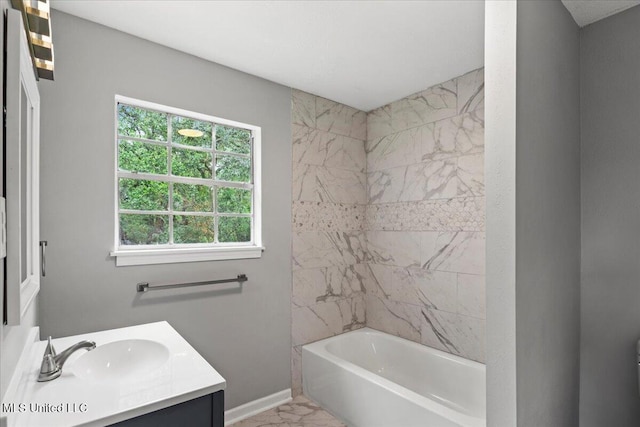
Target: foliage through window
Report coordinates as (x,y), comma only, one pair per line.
(183,179)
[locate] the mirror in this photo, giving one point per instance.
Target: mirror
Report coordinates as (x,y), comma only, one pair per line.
(22,174)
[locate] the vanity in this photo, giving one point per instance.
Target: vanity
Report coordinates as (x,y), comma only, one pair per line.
(138,376)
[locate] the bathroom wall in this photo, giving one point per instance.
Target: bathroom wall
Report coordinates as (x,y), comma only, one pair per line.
(610,106)
(425,217)
(547,165)
(12,338)
(244,333)
(329,197)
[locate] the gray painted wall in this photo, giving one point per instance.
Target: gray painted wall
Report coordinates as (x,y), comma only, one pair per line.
(610,91)
(244,335)
(547,215)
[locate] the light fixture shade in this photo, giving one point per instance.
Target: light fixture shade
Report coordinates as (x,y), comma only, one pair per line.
(191,133)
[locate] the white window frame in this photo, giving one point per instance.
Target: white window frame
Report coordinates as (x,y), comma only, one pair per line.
(176,253)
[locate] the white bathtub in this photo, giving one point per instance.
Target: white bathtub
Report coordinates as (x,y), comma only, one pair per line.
(371,379)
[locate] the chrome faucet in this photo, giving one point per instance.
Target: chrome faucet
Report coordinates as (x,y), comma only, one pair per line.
(52,363)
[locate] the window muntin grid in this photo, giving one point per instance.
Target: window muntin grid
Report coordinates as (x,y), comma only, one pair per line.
(163,140)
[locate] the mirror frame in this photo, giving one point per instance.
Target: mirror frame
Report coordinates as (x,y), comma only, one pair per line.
(20,76)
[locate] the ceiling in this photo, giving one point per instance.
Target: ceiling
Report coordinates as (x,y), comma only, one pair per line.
(361,53)
(587,12)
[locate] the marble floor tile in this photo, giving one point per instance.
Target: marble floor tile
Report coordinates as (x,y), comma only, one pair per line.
(300,412)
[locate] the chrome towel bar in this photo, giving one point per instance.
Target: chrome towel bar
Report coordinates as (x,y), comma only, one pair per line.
(144,286)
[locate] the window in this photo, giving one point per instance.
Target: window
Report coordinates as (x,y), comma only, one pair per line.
(187,186)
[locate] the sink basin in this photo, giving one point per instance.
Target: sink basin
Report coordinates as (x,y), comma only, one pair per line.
(121,360)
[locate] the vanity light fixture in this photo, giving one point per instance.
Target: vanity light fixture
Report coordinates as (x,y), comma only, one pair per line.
(191,133)
(37,23)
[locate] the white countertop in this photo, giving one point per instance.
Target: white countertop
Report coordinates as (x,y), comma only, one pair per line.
(72,401)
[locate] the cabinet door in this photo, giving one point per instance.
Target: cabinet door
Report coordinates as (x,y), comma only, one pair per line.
(205,411)
(22,172)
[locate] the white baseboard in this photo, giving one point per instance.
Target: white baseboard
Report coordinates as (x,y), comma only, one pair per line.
(250,409)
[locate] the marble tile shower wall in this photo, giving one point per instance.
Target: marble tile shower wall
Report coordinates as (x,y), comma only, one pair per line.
(329,204)
(425,217)
(388,219)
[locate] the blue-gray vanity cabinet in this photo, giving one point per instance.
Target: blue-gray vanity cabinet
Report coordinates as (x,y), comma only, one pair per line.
(205,411)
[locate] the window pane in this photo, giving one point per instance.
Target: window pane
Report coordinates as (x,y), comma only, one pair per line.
(234,200)
(144,229)
(233,139)
(232,168)
(194,164)
(193,229)
(135,156)
(188,136)
(234,229)
(144,195)
(141,123)
(192,198)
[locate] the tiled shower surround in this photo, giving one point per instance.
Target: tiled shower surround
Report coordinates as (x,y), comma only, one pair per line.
(329,202)
(388,219)
(425,217)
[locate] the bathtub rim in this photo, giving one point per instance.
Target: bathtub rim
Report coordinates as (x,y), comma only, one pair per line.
(318,349)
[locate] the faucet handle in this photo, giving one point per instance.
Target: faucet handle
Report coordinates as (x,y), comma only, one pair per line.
(50,349)
(49,370)
(49,365)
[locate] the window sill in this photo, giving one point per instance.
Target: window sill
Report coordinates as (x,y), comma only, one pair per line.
(169,256)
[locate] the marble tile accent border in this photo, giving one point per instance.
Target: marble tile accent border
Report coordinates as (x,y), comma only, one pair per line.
(459,214)
(322,216)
